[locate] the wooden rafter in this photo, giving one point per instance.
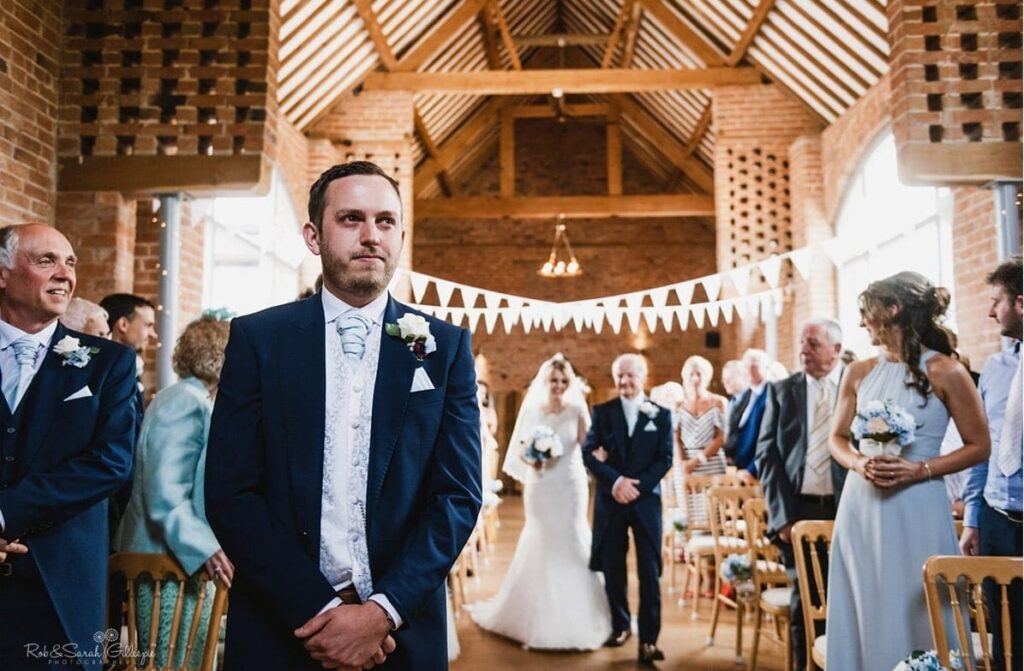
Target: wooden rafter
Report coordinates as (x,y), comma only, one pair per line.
(460,141)
(697,43)
(616,35)
(561,39)
(507,154)
(699,130)
(571,207)
(523,82)
(447,186)
(665,142)
(613,133)
(376,33)
(498,19)
(629,39)
(753,27)
(547,112)
(490,43)
(428,47)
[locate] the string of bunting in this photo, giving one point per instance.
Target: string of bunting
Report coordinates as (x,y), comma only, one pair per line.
(651,306)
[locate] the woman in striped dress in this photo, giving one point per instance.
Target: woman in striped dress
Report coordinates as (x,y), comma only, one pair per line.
(700,428)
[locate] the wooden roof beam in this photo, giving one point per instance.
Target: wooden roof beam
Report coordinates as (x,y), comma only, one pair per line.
(459,142)
(561,39)
(699,130)
(751,31)
(387,57)
(547,112)
(498,19)
(570,207)
(442,175)
(526,82)
(697,43)
(430,45)
(616,35)
(629,39)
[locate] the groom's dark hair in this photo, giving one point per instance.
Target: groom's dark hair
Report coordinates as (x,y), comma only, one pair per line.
(318,191)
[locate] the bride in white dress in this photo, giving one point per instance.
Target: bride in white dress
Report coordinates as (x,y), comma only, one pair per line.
(549,598)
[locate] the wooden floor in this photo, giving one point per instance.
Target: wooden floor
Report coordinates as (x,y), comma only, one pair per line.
(683,640)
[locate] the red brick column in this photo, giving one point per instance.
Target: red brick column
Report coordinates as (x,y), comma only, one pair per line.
(975,255)
(101,228)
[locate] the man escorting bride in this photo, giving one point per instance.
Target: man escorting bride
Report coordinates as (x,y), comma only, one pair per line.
(549,598)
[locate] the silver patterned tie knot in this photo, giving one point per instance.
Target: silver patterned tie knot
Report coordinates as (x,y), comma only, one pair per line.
(353,329)
(25,350)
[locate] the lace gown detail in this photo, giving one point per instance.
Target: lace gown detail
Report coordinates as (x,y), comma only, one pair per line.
(549,598)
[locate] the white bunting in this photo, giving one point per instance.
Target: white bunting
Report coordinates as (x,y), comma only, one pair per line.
(740,278)
(613,313)
(698,315)
(598,319)
(713,311)
(441,314)
(634,300)
(727,307)
(666,314)
(767,306)
(419,285)
(684,292)
(547,316)
(779,299)
(633,318)
(508,318)
(683,315)
(801,260)
(492,299)
(473,318)
(490,318)
(659,296)
(712,286)
(839,251)
(515,302)
(444,291)
(578,318)
(651,318)
(770,268)
(527,324)
(469,295)
(456,315)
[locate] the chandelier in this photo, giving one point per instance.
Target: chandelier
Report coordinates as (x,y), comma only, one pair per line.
(559,267)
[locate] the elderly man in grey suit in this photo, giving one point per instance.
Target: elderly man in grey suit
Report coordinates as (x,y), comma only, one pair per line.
(799,477)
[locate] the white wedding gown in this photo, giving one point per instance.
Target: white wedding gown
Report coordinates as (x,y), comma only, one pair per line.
(549,598)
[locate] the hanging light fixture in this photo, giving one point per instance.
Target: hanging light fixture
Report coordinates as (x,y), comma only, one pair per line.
(559,267)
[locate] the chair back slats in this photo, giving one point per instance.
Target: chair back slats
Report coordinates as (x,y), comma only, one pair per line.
(725,510)
(164,571)
(965,576)
(765,558)
(812,541)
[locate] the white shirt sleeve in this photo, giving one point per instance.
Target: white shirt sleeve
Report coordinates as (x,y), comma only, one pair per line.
(385,603)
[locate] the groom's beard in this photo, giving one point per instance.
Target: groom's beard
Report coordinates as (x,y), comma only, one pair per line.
(364,282)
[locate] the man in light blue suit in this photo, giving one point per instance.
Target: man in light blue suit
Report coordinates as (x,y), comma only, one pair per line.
(67,423)
(343,468)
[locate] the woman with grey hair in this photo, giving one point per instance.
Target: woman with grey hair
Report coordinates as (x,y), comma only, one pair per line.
(86,317)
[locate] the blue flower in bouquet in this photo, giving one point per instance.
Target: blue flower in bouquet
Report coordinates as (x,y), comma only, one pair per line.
(922,660)
(884,421)
(736,568)
(544,445)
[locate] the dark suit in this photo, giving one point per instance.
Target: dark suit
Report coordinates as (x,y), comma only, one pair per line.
(781,458)
(61,462)
(741,439)
(264,475)
(647,456)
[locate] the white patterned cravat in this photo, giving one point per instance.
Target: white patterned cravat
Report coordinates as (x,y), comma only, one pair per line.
(817,441)
(1011,438)
(25,350)
(353,329)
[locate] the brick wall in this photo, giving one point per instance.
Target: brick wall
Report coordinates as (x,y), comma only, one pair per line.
(616,256)
(755,126)
(101,228)
(294,165)
(30,35)
(975,254)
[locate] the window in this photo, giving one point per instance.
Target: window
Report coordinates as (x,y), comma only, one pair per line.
(885,227)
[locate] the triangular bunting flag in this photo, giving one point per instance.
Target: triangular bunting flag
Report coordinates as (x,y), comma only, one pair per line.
(577,316)
(713,311)
(712,286)
(490,317)
(441,314)
(613,314)
(779,299)
(508,318)
(492,300)
(419,285)
(666,315)
(740,278)
(770,268)
(444,292)
(547,316)
(651,317)
(658,296)
(683,315)
(633,318)
(634,300)
(727,310)
(527,324)
(456,315)
(598,319)
(801,260)
(767,306)
(684,292)
(473,318)
(469,295)
(698,315)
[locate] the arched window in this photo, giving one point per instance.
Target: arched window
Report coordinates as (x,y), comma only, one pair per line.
(885,227)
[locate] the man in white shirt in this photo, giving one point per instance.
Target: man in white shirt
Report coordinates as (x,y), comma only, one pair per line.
(800,479)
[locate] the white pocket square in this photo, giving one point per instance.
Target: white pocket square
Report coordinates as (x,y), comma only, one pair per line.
(84,392)
(421,381)
(650,426)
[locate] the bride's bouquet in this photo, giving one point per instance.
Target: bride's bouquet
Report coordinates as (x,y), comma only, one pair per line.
(883,427)
(544,446)
(921,660)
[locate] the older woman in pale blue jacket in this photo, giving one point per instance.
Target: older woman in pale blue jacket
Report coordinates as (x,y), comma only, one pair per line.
(167,513)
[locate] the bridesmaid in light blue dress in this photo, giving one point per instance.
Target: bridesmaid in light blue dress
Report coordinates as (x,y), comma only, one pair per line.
(894,512)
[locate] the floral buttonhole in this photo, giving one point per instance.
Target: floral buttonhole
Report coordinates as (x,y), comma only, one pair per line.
(72,353)
(414,331)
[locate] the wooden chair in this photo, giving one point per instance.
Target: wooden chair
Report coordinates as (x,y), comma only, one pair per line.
(809,537)
(963,577)
(728,530)
(772,587)
(162,569)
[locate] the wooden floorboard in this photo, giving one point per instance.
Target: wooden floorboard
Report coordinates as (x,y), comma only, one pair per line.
(683,640)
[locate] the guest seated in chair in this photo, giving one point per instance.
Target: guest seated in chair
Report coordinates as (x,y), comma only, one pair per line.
(167,513)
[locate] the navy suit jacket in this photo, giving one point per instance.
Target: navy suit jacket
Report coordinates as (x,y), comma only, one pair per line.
(646,456)
(264,475)
(73,455)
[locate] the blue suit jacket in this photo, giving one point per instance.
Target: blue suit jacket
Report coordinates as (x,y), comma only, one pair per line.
(646,456)
(264,474)
(73,455)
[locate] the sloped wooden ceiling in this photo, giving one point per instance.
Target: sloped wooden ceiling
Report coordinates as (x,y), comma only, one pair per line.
(826,54)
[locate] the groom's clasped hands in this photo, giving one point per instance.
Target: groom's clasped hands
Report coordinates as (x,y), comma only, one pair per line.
(348,637)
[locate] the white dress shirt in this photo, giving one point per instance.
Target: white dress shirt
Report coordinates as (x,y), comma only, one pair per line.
(815,483)
(9,364)
(631,406)
(344,559)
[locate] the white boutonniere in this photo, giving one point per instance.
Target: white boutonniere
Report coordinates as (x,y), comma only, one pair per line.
(415,332)
(649,409)
(71,351)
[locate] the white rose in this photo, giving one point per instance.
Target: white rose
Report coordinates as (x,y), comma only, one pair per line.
(66,345)
(413,326)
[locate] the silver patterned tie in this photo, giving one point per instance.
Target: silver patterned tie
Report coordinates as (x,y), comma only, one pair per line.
(25,350)
(353,329)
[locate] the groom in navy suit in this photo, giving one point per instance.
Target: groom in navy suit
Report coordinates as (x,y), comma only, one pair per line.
(629,450)
(343,467)
(67,427)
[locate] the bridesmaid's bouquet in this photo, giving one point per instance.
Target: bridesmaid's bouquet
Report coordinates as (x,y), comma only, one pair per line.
(883,427)
(736,568)
(544,446)
(921,660)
